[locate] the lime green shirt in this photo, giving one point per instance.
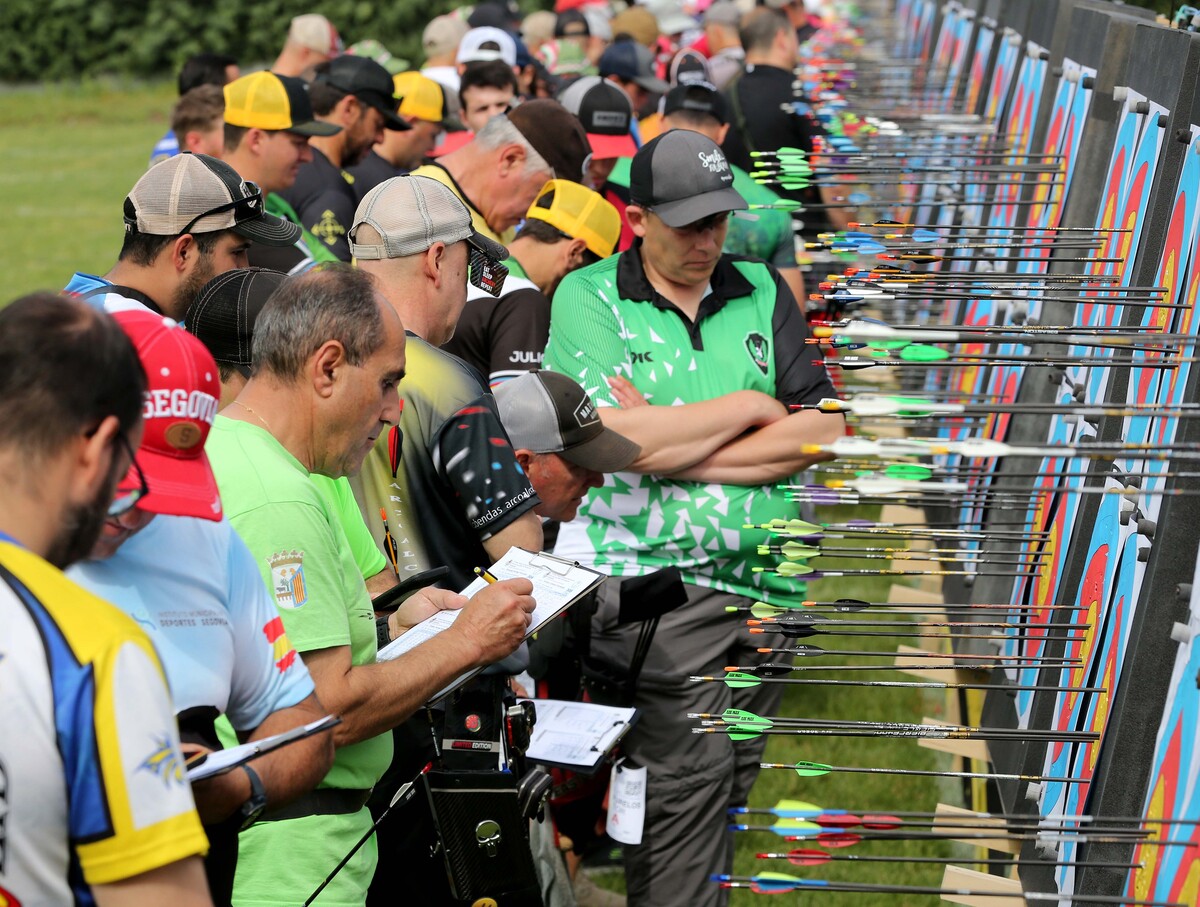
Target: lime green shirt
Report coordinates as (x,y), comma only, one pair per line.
(297,538)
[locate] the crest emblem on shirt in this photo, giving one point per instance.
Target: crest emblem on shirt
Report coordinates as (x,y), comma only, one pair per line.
(287,579)
(282,652)
(328,229)
(759,350)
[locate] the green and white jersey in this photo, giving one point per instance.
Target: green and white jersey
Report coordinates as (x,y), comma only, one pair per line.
(749,333)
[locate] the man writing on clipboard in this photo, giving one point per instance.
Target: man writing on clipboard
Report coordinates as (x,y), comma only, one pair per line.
(328,353)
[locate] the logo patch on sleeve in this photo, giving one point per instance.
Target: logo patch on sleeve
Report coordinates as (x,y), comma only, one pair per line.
(164,762)
(759,349)
(287,579)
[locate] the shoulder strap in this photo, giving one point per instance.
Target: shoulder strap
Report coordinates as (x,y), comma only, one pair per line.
(739,115)
(128,292)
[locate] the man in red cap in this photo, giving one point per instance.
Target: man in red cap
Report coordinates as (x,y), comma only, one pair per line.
(95,806)
(175,566)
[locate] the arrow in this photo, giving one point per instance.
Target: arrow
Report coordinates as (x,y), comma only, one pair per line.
(802,528)
(776,669)
(791,622)
(797,551)
(914,407)
(984,448)
(739,680)
(889,224)
(749,728)
(777,882)
(967,360)
(791,568)
(801,857)
(819,769)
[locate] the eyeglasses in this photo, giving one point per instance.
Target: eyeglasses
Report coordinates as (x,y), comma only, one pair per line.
(126,497)
(248,207)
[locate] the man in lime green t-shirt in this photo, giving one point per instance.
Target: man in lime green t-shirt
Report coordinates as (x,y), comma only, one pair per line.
(328,354)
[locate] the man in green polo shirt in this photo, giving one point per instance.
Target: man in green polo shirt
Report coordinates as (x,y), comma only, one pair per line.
(328,353)
(715,345)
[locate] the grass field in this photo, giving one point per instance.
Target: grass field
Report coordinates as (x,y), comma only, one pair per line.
(68,157)
(71,154)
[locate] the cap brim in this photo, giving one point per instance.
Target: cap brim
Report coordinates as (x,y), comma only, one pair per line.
(315,127)
(393,121)
(179,487)
(607,452)
(488,246)
(689,210)
(652,83)
(269,230)
(610,146)
(674,24)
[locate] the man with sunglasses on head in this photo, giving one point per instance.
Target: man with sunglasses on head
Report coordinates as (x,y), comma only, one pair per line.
(174,565)
(717,347)
(186,220)
(96,806)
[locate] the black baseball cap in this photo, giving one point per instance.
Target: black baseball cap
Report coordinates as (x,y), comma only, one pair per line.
(701,97)
(366,80)
(223,315)
(550,413)
(606,114)
(571,23)
(683,176)
(632,62)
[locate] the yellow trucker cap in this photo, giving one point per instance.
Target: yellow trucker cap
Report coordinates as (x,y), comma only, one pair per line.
(265,100)
(421,97)
(580,213)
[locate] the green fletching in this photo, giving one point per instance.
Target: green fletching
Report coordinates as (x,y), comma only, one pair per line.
(812,769)
(908,471)
(920,353)
(738,680)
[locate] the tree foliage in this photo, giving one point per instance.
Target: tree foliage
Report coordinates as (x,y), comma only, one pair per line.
(66,39)
(47,40)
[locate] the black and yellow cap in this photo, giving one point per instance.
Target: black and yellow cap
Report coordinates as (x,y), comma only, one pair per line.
(265,100)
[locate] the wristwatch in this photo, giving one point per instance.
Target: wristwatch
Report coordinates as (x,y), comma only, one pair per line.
(253,807)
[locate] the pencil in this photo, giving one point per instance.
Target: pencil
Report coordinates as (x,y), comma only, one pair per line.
(487,577)
(389,543)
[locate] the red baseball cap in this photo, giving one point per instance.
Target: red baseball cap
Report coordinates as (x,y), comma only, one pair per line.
(183,389)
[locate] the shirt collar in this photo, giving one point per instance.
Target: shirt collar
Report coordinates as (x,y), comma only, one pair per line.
(727,282)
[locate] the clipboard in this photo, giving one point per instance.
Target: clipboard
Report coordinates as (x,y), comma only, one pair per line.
(208,765)
(578,736)
(557,584)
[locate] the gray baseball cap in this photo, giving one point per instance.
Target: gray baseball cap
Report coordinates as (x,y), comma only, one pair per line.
(405,215)
(683,176)
(550,413)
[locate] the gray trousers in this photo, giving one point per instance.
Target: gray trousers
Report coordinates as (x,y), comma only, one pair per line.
(692,779)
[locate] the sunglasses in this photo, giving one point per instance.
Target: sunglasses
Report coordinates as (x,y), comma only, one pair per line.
(486,273)
(244,208)
(127,495)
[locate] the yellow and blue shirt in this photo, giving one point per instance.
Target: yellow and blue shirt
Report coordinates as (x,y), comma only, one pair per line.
(92,784)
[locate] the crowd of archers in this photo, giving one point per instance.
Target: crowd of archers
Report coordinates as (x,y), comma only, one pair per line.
(370,328)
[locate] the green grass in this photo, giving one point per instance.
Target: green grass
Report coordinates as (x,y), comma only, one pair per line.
(68,157)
